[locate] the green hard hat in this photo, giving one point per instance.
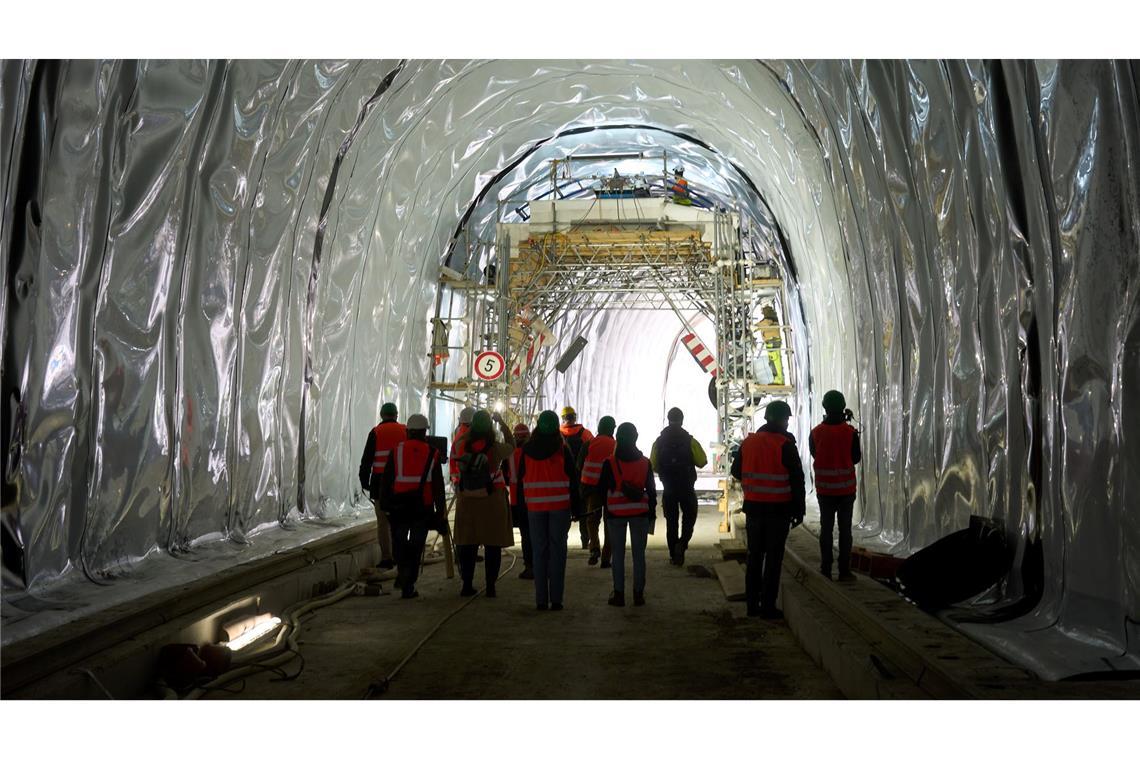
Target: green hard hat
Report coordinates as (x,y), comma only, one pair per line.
(833,401)
(626,435)
(777,410)
(388,411)
(481,422)
(547,423)
(606,425)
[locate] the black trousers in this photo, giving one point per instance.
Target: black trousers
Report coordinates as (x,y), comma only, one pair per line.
(831,507)
(522,522)
(408,537)
(767,526)
(492,562)
(679,505)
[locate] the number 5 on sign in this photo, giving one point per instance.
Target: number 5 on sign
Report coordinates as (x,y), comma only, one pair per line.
(489,365)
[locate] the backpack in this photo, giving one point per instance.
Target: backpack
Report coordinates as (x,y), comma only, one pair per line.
(675,458)
(474,471)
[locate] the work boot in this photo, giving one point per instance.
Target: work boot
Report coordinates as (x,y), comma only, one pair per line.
(490,591)
(772,614)
(826,572)
(846,575)
(409,593)
(555,607)
(606,563)
(594,557)
(468,590)
(638,598)
(585,543)
(753,612)
(541,607)
(617,599)
(527,574)
(386,564)
(680,557)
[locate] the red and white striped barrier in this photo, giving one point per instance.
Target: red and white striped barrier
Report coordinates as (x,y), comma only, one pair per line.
(700,352)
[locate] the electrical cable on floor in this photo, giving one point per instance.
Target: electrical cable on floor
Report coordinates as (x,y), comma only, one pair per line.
(379,687)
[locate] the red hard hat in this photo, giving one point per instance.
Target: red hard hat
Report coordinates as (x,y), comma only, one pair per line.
(522,429)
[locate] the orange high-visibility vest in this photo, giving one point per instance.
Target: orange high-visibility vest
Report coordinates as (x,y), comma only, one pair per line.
(597,451)
(762,470)
(385,436)
(452,463)
(637,473)
(546,487)
(411,459)
(680,187)
(513,474)
(834,470)
(462,447)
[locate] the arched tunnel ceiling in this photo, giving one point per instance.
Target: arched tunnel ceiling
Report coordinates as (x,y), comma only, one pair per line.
(965,238)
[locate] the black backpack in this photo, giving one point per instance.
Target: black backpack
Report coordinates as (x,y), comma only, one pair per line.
(474,471)
(675,458)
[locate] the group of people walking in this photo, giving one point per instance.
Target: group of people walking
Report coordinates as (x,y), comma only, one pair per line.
(541,481)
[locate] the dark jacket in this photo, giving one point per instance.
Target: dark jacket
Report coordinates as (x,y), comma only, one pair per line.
(675,438)
(790,456)
(856,449)
(438,492)
(607,482)
(543,447)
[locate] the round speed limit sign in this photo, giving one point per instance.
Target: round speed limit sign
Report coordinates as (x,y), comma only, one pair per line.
(489,365)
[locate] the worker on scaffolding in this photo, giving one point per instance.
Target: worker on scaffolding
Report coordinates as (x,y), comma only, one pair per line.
(412,494)
(518,511)
(590,461)
(769,468)
(835,451)
(381,440)
(770,333)
(482,512)
(549,493)
(576,436)
(680,188)
(629,495)
(676,456)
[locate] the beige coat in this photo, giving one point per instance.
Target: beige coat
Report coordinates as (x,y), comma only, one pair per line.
(482,519)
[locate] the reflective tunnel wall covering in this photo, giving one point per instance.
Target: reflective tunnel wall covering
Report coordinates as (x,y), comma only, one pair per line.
(216,272)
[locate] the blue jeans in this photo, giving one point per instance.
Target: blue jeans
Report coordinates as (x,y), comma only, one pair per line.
(638,536)
(548,531)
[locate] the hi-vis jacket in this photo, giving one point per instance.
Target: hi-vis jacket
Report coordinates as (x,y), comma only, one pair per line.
(769,469)
(381,440)
(835,452)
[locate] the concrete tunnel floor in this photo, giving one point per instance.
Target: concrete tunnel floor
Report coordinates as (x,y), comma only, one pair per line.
(687,642)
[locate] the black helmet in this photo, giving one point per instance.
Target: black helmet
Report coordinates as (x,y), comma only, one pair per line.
(777,411)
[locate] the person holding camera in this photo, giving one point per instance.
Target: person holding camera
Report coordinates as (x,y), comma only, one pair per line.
(413,497)
(629,496)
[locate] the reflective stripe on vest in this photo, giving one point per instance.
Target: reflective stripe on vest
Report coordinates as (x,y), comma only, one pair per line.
(497,479)
(411,461)
(385,436)
(545,485)
(637,473)
(763,475)
(599,450)
(834,470)
(452,463)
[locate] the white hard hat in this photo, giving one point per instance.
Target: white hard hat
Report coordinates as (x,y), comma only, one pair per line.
(417,422)
(466,415)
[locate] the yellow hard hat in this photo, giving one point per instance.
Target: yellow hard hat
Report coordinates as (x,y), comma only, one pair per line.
(568,411)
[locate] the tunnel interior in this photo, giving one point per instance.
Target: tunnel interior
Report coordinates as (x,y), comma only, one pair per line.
(218,272)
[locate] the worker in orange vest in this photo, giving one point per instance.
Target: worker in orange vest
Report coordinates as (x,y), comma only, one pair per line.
(590,460)
(465,416)
(413,496)
(680,187)
(549,493)
(835,451)
(629,494)
(576,437)
(381,440)
(772,476)
(518,511)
